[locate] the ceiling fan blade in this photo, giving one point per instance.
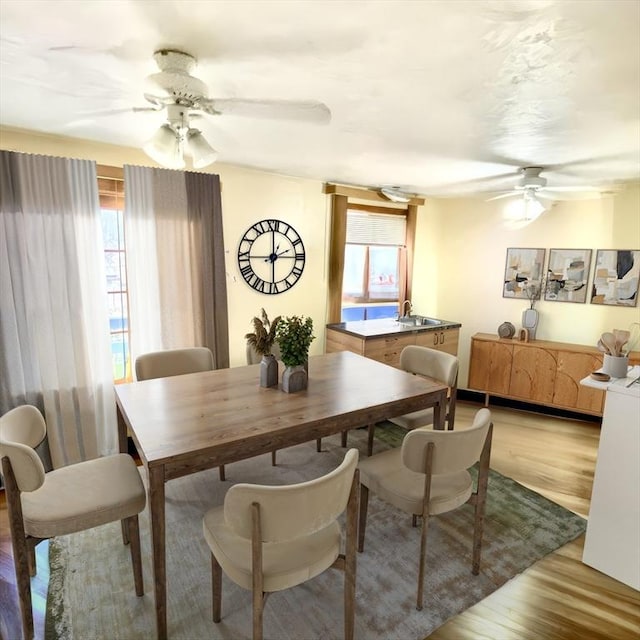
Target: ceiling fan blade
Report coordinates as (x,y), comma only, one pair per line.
(557,193)
(303,111)
(509,194)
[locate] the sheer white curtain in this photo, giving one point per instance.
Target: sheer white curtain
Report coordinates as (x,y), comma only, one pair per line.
(54,329)
(175,262)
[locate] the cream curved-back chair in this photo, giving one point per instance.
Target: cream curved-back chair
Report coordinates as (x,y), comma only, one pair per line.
(431,363)
(175,362)
(270,538)
(64,501)
(428,476)
(253,357)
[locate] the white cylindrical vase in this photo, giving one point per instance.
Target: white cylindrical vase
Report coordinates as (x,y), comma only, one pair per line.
(615,366)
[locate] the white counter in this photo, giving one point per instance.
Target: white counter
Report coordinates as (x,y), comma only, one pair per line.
(612,543)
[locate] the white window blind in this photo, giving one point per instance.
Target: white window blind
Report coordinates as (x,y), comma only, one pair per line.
(376,228)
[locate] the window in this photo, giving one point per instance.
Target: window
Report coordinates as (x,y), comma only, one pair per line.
(111,192)
(372,257)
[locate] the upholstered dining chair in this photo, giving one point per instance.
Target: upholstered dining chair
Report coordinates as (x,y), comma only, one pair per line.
(270,538)
(427,476)
(175,362)
(439,365)
(253,357)
(67,500)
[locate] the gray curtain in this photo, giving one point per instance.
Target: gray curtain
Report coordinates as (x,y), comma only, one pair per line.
(54,330)
(175,261)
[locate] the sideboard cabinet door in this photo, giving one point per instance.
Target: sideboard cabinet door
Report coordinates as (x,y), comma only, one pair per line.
(533,374)
(490,366)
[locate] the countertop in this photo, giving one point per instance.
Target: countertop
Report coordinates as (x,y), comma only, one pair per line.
(628,386)
(387,326)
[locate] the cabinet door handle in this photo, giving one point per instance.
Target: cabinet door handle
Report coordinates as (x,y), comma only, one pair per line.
(442,338)
(435,338)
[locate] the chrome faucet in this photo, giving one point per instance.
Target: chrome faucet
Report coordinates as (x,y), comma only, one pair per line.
(404,305)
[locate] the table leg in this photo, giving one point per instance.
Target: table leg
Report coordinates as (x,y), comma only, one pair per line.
(123,445)
(156,508)
(439,411)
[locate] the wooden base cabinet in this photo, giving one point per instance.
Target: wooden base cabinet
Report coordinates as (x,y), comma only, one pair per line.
(388,348)
(541,372)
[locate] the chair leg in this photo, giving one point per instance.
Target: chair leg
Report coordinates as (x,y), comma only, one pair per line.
(350,558)
(24,591)
(133,530)
(362,518)
(370,434)
(319,445)
(125,532)
(480,501)
(221,472)
(343,439)
(273,458)
(216,588)
(414,520)
(423,556)
(31,559)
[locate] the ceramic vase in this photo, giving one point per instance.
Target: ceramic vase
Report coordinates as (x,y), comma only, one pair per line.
(268,371)
(530,322)
(294,379)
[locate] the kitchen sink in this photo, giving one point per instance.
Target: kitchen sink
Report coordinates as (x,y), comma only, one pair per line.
(420,321)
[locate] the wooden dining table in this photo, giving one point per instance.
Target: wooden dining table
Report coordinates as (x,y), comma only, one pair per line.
(184,424)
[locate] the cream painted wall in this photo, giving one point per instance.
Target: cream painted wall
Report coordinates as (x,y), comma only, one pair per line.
(460,262)
(460,250)
(247,196)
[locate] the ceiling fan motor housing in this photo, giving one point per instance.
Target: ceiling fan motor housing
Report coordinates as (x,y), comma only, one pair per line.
(174,77)
(531,179)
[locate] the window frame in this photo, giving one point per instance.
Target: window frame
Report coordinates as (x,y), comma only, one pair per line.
(344,198)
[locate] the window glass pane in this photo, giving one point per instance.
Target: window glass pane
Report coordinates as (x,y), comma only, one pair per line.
(112,229)
(383,273)
(120,355)
(116,274)
(115,270)
(353,277)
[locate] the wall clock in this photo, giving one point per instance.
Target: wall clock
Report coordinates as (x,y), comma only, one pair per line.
(271,256)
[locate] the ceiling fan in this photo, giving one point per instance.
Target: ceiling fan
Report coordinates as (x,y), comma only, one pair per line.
(532,184)
(533,197)
(184,96)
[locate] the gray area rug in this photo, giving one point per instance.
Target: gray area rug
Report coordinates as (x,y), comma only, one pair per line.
(91,592)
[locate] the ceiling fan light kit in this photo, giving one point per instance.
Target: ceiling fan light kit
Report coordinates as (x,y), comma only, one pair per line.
(524,210)
(175,137)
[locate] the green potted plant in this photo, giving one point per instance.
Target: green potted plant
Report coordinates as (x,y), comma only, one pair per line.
(294,334)
(261,341)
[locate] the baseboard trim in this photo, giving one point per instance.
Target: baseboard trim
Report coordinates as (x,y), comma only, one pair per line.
(497,401)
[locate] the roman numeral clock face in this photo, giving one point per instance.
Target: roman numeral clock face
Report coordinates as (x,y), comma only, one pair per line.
(271,256)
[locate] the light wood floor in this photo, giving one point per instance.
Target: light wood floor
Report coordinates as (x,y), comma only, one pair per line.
(558,598)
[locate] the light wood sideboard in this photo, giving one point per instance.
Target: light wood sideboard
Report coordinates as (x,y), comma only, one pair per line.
(541,372)
(386,347)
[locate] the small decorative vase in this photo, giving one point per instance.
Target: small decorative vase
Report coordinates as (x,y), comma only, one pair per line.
(530,322)
(268,371)
(615,366)
(294,379)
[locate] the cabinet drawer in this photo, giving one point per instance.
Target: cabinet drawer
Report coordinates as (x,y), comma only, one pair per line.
(388,348)
(443,340)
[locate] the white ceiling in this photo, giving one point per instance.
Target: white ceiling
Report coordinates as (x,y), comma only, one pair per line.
(437,97)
